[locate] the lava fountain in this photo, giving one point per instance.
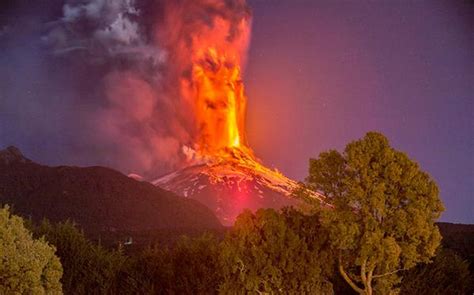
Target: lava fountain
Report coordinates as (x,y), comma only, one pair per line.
(221,170)
(215,89)
(220,102)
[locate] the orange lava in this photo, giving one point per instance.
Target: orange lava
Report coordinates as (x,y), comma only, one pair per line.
(217,88)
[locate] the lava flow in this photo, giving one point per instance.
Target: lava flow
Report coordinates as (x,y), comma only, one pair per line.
(222,171)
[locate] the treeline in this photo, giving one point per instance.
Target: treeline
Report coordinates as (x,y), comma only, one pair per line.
(285,252)
(374,233)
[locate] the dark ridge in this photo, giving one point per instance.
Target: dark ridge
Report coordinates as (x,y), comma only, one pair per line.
(98,199)
(459,238)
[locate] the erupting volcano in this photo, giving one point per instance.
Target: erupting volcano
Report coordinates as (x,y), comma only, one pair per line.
(220,168)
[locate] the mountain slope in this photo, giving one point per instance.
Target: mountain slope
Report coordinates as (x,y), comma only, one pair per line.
(232,181)
(98,198)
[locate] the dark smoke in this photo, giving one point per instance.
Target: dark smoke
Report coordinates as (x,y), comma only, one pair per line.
(97,82)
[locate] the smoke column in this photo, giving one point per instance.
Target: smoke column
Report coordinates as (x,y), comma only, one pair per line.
(118,77)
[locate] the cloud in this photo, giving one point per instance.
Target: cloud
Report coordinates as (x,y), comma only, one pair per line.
(121,30)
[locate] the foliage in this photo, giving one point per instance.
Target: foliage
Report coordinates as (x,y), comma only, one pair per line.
(88,268)
(28,266)
(447,274)
(149,272)
(268,252)
(384,211)
(196,265)
(190,267)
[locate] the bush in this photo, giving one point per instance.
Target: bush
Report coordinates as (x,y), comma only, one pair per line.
(27,265)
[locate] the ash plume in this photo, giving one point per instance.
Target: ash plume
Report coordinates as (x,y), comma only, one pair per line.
(101,81)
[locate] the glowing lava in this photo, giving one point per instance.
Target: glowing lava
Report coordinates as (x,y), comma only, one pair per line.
(220,102)
(216,89)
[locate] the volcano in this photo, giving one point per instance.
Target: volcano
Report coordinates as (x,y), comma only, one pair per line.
(232,181)
(216,164)
(220,169)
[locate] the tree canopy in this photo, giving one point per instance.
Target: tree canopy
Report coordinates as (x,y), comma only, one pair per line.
(384,210)
(28,265)
(267,253)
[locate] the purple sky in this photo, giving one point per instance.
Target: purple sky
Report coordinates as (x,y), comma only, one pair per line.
(323,73)
(319,74)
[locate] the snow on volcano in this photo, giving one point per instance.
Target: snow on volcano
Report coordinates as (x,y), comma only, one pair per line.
(231,182)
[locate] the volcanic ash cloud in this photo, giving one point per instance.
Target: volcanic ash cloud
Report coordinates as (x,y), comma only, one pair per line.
(165,75)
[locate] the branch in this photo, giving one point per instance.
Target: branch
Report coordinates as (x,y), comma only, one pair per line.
(369,279)
(370,275)
(388,273)
(242,265)
(347,278)
(363,273)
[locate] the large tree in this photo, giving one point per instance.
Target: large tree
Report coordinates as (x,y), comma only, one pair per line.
(384,208)
(27,265)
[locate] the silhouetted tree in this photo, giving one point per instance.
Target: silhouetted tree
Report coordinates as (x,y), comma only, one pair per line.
(447,274)
(384,208)
(27,265)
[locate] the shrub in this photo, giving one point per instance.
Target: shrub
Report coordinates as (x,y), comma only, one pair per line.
(27,265)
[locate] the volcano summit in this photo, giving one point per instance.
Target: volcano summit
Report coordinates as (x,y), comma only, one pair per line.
(231,182)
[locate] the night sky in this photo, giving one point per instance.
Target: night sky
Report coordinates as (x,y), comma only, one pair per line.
(319,74)
(323,73)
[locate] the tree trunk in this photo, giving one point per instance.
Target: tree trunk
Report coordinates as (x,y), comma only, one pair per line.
(348,279)
(365,276)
